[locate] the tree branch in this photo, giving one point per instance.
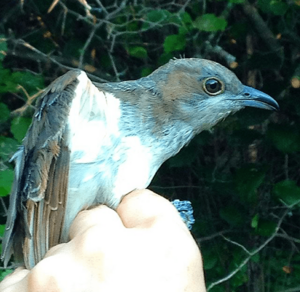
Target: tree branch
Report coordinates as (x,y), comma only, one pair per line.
(257,250)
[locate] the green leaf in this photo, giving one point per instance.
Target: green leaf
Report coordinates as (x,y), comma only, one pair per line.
(4,273)
(237,1)
(5,81)
(6,180)
(285,138)
(8,147)
(248,179)
(158,15)
(10,81)
(2,229)
(210,258)
(4,112)
(164,58)
(265,227)
(186,18)
(276,7)
(233,215)
(210,23)
(174,42)
(28,80)
(255,258)
(138,52)
(19,127)
(146,71)
(254,221)
(287,191)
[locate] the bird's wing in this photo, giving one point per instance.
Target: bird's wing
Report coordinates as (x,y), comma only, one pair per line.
(39,193)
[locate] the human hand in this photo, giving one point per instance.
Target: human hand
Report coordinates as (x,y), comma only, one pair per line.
(142,246)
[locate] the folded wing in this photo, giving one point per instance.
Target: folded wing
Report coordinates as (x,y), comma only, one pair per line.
(39,193)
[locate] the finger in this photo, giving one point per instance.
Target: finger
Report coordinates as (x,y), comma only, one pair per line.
(13,278)
(100,217)
(145,208)
(55,250)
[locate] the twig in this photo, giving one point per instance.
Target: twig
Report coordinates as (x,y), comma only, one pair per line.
(8,268)
(79,16)
(237,244)
(114,66)
(88,41)
(251,254)
(46,57)
(3,206)
(285,236)
(117,10)
(63,24)
(296,289)
(220,233)
(262,29)
(229,59)
(101,6)
(54,3)
(186,3)
(29,100)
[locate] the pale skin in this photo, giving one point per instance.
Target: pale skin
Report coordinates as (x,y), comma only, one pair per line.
(142,246)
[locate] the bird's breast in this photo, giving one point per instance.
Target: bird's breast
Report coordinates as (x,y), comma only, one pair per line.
(119,168)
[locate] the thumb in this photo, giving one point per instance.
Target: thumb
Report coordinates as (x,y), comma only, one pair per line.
(143,208)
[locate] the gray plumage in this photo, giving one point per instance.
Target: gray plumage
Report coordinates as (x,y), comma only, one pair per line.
(94,143)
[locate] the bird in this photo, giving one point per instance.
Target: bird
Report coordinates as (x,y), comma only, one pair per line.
(93,143)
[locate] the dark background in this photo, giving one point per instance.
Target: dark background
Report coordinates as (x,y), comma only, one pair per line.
(243,176)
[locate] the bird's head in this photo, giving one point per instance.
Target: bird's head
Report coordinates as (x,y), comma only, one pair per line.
(202,92)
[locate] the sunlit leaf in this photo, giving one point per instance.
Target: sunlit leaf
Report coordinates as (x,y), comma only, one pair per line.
(19,127)
(146,71)
(8,147)
(210,23)
(138,52)
(158,15)
(2,229)
(254,221)
(4,273)
(6,180)
(174,42)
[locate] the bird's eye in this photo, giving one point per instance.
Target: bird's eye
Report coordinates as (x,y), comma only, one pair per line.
(213,86)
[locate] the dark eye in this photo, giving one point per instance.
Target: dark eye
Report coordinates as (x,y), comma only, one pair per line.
(213,86)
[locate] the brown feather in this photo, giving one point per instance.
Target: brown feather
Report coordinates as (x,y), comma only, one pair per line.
(41,178)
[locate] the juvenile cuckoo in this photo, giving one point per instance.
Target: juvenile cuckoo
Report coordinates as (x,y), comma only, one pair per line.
(92,143)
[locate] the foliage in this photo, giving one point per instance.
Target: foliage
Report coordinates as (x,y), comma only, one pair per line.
(243,177)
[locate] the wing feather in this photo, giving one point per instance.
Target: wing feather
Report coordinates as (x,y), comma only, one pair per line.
(38,198)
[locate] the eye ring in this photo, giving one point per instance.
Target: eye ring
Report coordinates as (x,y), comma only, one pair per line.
(213,86)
